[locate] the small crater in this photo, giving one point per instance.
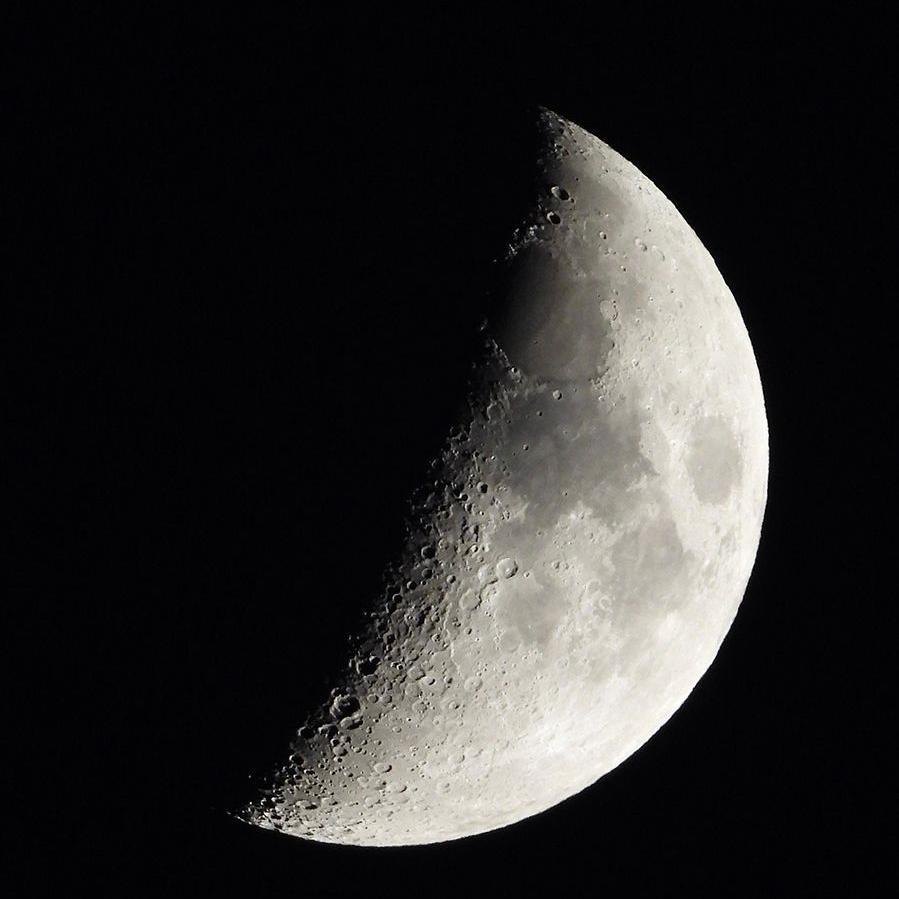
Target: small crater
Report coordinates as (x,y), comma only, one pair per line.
(343,706)
(367,666)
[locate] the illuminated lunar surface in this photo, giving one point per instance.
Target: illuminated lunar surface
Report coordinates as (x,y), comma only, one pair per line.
(581,550)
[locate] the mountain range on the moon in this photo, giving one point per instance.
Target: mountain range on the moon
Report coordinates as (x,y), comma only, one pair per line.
(580,550)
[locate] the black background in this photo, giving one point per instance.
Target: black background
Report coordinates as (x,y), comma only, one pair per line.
(248,256)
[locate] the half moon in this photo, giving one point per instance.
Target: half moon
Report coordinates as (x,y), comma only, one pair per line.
(580,552)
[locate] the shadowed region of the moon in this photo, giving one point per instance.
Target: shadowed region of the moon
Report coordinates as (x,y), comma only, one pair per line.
(580,545)
(553,328)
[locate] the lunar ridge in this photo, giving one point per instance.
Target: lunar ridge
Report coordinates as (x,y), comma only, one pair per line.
(580,550)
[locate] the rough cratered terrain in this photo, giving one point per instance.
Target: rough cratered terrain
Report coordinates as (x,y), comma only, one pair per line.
(581,550)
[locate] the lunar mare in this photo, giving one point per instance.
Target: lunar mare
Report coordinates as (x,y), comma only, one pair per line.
(579,553)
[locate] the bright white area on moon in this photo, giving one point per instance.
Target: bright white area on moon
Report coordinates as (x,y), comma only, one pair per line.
(576,560)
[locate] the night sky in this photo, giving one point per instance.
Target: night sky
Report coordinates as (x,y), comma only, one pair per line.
(246,261)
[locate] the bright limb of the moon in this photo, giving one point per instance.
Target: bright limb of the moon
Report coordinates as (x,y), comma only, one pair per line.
(582,548)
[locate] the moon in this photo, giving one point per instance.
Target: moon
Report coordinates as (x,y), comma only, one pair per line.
(578,554)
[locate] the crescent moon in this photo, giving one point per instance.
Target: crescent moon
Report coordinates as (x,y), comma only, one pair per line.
(574,563)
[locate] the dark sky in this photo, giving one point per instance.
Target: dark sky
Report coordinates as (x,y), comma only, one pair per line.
(247,257)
